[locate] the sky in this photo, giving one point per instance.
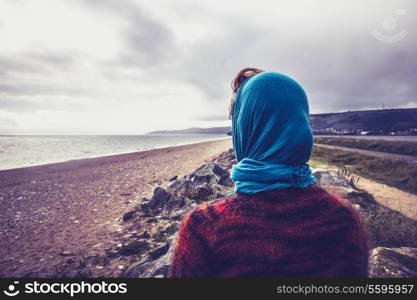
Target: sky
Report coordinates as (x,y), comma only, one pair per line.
(129,67)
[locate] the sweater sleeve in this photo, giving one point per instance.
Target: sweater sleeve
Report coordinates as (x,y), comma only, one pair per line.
(191,257)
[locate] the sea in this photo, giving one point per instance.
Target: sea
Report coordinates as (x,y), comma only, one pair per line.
(18,151)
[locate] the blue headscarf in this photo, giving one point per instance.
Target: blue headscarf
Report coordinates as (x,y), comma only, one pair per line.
(272,136)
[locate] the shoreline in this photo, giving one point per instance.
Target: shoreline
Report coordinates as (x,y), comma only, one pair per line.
(109,154)
(53,212)
(87,161)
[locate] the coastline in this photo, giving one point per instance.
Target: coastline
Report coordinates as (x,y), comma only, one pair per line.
(60,166)
(57,210)
(110,153)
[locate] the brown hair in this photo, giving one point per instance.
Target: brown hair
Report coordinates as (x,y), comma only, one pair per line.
(240,77)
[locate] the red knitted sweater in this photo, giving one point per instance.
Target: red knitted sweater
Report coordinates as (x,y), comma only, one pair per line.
(293,232)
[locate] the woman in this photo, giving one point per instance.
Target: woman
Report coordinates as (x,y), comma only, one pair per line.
(279,223)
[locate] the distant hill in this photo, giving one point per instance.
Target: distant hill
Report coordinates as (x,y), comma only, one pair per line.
(374,121)
(380,121)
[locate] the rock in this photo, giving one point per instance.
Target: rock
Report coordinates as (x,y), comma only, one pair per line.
(135,247)
(393,262)
(208,182)
(226,159)
(177,207)
(165,232)
(226,181)
(168,205)
(159,199)
(112,253)
(202,175)
(154,264)
(200,192)
(224,175)
(144,235)
(179,187)
(158,252)
(66,253)
(127,216)
(204,184)
(220,171)
(327,178)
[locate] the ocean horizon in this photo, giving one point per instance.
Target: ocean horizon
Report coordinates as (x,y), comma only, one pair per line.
(17,151)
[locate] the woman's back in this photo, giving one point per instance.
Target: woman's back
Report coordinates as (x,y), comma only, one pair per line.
(279,223)
(292,232)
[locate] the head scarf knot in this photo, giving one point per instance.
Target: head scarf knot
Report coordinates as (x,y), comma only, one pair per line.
(271,132)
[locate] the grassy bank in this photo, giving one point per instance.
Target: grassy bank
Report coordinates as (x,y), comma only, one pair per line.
(397,147)
(385,227)
(399,174)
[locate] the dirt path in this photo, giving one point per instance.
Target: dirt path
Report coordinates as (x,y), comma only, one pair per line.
(393,198)
(408,158)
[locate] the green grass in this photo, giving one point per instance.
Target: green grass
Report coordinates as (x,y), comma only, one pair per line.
(397,147)
(385,227)
(395,173)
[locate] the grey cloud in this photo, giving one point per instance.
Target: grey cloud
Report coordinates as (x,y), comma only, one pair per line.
(211,63)
(36,62)
(368,75)
(212,117)
(18,105)
(340,70)
(15,64)
(41,89)
(53,58)
(7,123)
(29,104)
(31,98)
(341,66)
(148,42)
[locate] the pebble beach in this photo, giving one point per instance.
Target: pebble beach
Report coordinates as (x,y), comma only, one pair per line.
(60,210)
